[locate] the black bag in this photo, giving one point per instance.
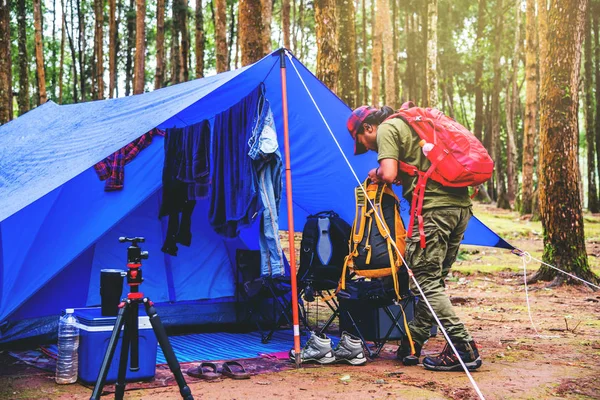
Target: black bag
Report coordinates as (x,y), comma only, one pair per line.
(323,248)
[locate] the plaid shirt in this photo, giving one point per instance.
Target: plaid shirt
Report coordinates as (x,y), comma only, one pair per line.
(112,168)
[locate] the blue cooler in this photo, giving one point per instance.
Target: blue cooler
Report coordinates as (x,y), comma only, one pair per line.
(94,334)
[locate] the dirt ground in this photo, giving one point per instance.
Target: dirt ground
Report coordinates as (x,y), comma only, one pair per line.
(561,361)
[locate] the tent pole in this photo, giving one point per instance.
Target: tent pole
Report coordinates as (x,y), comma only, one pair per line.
(290,207)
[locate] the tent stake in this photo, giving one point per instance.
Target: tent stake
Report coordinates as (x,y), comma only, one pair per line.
(290,207)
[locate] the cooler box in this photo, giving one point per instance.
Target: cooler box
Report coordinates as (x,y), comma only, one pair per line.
(94,333)
(372,320)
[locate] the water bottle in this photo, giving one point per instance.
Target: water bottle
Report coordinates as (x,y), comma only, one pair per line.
(68,343)
(426,147)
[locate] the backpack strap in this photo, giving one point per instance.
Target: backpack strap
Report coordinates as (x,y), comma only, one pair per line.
(416,207)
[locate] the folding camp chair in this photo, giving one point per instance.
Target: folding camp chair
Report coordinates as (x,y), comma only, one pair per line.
(369,309)
(320,284)
(255,295)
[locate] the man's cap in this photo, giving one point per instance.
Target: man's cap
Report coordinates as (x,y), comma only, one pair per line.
(354,125)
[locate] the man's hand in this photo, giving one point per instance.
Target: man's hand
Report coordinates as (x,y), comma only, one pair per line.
(373,176)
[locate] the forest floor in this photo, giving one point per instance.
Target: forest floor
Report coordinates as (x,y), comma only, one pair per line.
(486,286)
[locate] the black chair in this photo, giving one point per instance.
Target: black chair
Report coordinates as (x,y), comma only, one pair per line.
(261,300)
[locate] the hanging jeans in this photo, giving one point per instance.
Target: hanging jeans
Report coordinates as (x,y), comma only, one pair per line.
(234,192)
(264,150)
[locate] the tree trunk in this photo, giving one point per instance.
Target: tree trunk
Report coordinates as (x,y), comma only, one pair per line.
(185,41)
(61,68)
(596,18)
(175,48)
(346,36)
(6,111)
(39,51)
(376,53)
(23,97)
(73,52)
(81,48)
(53,55)
(301,28)
(199,40)
(411,29)
(285,22)
(530,123)
(431,70)
(140,48)
(365,90)
(130,46)
(588,109)
(488,141)
(478,130)
(560,203)
(511,150)
(495,122)
(328,56)
(99,31)
(232,24)
(250,32)
(422,69)
(266,7)
(221,35)
(389,58)
(159,77)
(113,39)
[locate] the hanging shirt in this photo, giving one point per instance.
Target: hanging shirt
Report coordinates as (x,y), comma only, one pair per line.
(112,168)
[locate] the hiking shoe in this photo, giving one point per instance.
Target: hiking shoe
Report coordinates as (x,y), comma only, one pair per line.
(403,352)
(350,350)
(447,360)
(317,349)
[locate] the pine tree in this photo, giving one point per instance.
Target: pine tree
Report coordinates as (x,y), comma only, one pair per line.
(328,56)
(221,35)
(250,24)
(5,64)
(23,97)
(39,51)
(559,193)
(348,90)
(531,102)
(140,48)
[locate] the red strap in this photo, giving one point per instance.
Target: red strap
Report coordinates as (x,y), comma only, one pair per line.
(475,192)
(419,195)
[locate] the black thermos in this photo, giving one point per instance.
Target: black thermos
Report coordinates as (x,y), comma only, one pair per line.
(111,288)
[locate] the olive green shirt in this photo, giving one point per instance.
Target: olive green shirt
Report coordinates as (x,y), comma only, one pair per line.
(397,141)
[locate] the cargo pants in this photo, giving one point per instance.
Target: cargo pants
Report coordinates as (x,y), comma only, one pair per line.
(444,230)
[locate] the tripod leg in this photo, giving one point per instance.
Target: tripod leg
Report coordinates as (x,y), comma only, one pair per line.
(125,343)
(165,345)
(108,356)
(134,364)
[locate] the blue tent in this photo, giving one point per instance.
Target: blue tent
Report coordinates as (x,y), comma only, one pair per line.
(58,227)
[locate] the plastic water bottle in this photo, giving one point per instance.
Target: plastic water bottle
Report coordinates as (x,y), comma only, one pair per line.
(426,147)
(68,343)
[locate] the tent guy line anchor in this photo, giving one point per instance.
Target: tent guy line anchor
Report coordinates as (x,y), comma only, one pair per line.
(527,258)
(522,253)
(473,383)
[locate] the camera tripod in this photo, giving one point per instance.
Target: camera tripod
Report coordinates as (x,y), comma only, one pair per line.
(127,319)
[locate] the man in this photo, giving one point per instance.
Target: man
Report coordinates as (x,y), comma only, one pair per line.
(446,212)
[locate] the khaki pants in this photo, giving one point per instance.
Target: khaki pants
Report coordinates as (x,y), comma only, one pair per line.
(444,230)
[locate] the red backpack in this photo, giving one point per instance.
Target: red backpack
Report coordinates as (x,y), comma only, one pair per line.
(458,159)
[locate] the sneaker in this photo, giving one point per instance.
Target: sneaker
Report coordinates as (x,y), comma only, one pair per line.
(350,350)
(447,360)
(317,349)
(404,350)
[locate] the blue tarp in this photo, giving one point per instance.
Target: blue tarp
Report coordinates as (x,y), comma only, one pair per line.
(58,227)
